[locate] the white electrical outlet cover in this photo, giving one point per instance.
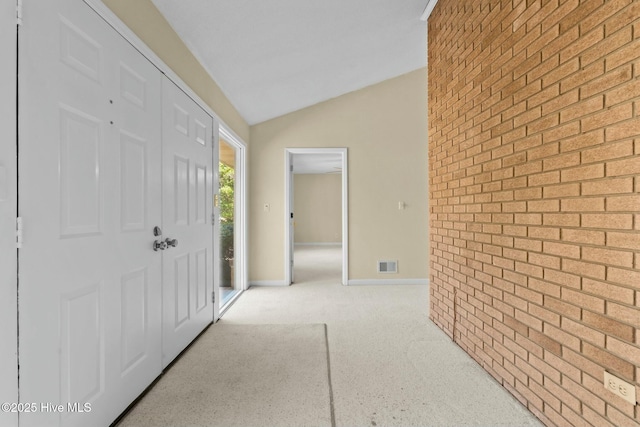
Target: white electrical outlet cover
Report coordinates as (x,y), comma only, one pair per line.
(620,387)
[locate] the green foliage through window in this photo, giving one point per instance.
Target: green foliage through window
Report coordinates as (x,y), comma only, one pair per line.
(227,199)
(227,186)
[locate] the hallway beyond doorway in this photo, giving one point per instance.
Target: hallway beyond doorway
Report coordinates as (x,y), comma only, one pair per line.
(317,263)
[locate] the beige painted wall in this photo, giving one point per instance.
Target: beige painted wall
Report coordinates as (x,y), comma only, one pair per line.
(144,19)
(318,208)
(384,128)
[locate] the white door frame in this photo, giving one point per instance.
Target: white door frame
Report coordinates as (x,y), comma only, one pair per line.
(288,208)
(240,214)
(215,152)
(8,210)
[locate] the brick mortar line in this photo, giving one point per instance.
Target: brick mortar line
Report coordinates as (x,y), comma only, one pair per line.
(561,314)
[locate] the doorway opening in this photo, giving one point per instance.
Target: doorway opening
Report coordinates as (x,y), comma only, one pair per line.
(231,217)
(316,208)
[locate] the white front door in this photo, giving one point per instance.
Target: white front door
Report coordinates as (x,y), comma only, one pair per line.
(187,208)
(90,196)
(8,201)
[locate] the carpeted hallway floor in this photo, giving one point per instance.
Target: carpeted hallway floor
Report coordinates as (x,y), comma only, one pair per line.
(388,364)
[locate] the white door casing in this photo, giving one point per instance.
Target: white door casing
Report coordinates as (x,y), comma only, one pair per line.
(215,219)
(187,217)
(292,221)
(240,212)
(8,210)
(289,223)
(90,195)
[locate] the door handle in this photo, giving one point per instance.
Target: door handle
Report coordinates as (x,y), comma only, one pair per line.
(159,245)
(171,242)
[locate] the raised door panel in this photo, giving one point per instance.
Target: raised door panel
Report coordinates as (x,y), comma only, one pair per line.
(202,279)
(81,51)
(80,158)
(134,319)
(181,202)
(134,185)
(133,87)
(200,194)
(82,364)
(181,287)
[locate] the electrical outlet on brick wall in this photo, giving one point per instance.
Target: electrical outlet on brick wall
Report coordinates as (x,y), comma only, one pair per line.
(620,387)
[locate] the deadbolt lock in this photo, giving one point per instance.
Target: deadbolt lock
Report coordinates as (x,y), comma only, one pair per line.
(159,245)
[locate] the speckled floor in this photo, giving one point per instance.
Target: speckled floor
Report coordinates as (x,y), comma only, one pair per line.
(243,375)
(389,364)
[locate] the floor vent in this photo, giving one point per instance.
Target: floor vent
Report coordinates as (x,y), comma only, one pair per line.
(387,266)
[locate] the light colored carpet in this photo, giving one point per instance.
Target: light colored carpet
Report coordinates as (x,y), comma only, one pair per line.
(390,365)
(243,375)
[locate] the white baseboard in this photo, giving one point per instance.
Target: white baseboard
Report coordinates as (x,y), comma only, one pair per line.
(319,244)
(351,282)
(267,283)
(364,282)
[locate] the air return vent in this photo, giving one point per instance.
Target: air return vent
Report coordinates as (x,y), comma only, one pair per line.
(387,266)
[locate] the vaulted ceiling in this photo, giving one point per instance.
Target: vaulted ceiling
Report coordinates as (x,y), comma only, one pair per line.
(272,57)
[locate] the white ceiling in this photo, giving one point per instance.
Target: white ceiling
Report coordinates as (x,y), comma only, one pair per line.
(272,57)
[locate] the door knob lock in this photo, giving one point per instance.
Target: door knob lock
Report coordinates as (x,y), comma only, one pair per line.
(171,242)
(159,245)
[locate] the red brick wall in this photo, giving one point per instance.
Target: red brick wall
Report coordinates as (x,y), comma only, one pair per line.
(534,158)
